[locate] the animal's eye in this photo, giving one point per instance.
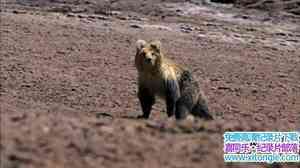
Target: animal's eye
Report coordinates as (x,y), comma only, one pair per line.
(143,54)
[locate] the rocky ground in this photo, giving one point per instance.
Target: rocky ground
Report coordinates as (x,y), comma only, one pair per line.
(68,81)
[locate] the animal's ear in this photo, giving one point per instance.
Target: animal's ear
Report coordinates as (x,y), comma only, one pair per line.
(156,45)
(140,44)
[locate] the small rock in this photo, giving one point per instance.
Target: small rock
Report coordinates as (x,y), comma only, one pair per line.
(282,75)
(102,17)
(137,18)
(186,28)
(78,10)
(98,17)
(115,13)
(283,44)
(251,29)
(122,17)
(224,88)
(92,17)
(102,115)
(211,24)
(280,34)
(71,15)
(81,16)
(254,91)
(18,12)
(136,26)
(245,17)
(242,16)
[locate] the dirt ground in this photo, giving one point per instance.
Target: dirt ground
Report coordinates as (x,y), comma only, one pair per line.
(68,81)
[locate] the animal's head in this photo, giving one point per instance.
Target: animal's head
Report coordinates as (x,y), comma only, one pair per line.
(148,55)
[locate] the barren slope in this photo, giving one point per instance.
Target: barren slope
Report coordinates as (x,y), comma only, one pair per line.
(68,85)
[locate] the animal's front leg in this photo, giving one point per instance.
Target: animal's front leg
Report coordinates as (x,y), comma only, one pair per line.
(172,95)
(171,106)
(147,100)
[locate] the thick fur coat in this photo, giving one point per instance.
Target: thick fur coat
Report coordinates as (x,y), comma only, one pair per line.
(159,76)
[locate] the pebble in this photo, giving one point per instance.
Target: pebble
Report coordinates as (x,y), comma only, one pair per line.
(136,26)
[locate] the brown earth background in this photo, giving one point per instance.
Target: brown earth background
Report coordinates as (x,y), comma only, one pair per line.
(68,81)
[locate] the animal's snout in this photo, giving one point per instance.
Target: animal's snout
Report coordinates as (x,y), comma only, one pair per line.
(148,60)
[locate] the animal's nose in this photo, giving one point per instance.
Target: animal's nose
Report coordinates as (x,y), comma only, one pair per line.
(148,60)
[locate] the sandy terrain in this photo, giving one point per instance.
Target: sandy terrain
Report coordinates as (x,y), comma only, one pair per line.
(68,81)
